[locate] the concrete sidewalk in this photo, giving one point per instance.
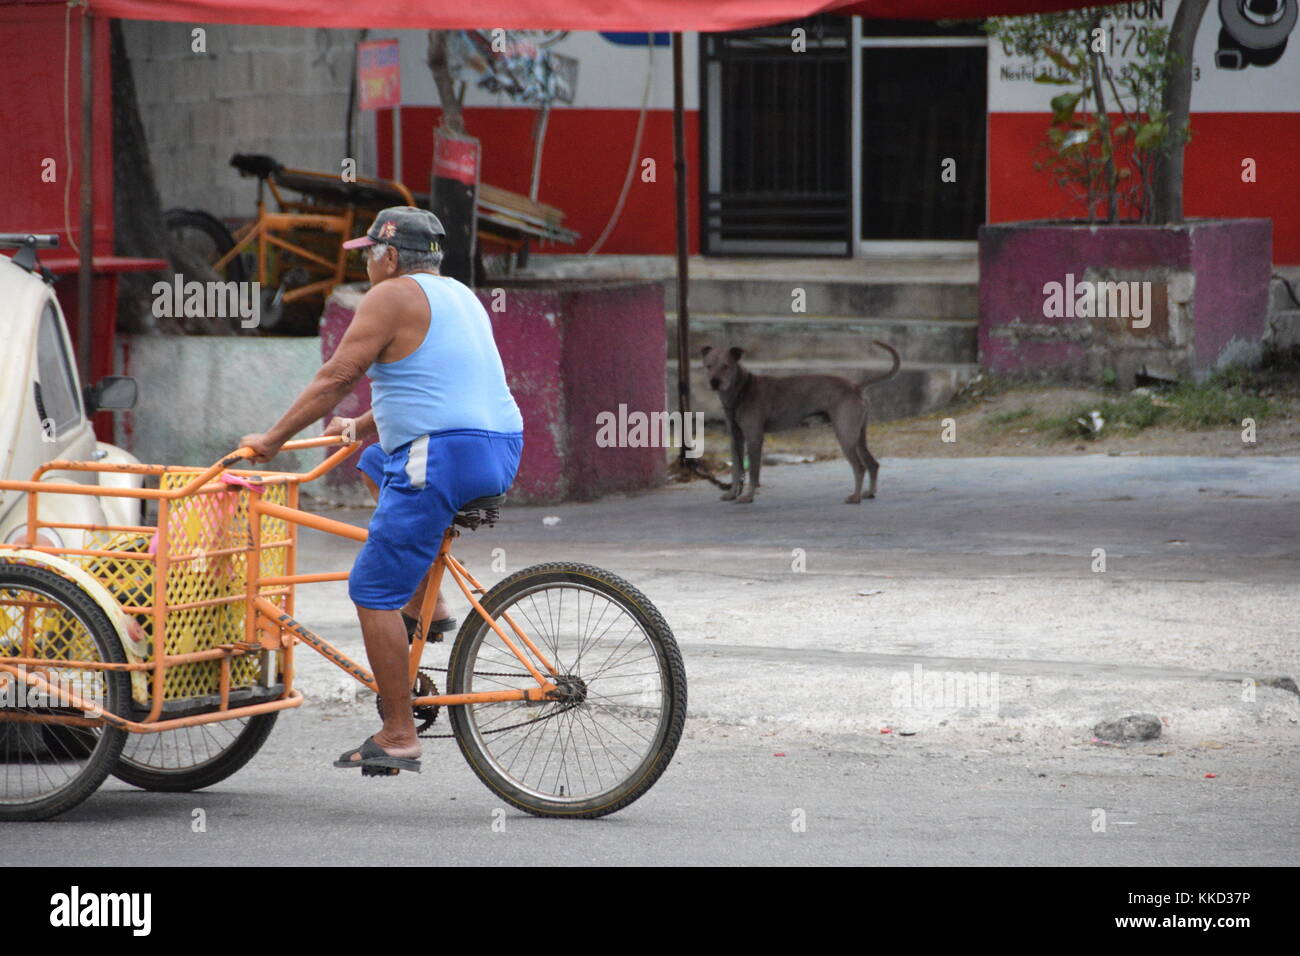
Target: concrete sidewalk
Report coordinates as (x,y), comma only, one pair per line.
(808,615)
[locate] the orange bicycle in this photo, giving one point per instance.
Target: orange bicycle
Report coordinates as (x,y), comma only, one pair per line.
(162,653)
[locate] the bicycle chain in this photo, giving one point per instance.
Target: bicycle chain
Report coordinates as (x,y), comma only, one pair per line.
(498,730)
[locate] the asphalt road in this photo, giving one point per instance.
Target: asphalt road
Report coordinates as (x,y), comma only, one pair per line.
(727,798)
(798,615)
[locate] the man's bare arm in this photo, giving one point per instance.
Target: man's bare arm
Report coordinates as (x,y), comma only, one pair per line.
(370,332)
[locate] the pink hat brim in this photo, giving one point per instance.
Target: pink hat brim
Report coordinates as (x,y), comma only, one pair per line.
(359,243)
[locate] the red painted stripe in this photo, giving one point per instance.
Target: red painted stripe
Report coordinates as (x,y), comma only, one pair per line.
(584,163)
(1212,185)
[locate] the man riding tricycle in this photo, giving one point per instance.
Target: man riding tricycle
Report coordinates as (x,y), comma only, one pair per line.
(162,651)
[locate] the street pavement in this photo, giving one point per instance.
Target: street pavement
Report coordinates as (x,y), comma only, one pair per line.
(1075,589)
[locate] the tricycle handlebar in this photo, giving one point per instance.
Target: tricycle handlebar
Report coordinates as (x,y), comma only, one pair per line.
(244,452)
(322,441)
(34,484)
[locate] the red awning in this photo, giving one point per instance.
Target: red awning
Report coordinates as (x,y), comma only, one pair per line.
(704,15)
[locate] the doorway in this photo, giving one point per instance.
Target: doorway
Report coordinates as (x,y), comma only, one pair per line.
(923,108)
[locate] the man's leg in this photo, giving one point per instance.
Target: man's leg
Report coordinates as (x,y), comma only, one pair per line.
(387,649)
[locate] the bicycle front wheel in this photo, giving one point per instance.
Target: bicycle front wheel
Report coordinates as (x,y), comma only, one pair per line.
(622,706)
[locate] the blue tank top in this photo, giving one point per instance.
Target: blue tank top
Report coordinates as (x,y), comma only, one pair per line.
(455,379)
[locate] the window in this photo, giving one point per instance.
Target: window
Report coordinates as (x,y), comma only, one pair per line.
(57,400)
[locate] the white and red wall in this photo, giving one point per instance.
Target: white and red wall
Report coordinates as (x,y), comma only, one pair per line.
(1236,115)
(1252,113)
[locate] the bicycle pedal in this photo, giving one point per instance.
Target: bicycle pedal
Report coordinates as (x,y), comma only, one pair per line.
(379,771)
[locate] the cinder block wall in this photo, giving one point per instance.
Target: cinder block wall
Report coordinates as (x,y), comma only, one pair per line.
(199,394)
(276,90)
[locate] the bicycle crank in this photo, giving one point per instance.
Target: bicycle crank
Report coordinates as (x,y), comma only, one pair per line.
(425,714)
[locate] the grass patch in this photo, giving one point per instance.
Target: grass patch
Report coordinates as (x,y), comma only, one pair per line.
(1220,401)
(1214,403)
(1132,413)
(1010,416)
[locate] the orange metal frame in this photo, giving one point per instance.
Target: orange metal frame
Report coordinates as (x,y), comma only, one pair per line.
(266,626)
(269,227)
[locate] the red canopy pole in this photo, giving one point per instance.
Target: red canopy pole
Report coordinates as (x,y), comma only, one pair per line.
(86,248)
(679,169)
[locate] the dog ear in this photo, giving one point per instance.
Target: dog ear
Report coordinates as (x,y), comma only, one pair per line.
(706,350)
(736,353)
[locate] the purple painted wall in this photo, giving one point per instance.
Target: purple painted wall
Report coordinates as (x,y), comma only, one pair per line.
(530,336)
(571,350)
(1209,282)
(1233,262)
(614,354)
(342,481)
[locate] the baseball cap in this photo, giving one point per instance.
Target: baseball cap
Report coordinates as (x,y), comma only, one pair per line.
(405,227)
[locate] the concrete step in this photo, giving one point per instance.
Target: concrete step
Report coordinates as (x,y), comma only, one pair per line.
(780,337)
(917,388)
(878,297)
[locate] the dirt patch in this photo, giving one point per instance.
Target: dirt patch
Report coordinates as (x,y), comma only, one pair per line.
(994,419)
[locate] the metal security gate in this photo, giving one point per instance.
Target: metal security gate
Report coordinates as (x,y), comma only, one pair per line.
(776,118)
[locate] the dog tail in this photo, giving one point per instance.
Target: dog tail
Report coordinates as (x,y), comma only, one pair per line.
(876,380)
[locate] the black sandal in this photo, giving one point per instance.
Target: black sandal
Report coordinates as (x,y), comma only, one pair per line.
(376,762)
(436,628)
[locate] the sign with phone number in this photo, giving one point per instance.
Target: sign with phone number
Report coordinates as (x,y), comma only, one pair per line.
(1253,73)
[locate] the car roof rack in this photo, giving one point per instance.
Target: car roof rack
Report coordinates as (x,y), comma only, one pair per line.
(27,243)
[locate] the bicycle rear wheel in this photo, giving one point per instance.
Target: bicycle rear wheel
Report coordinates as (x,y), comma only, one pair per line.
(199,239)
(623,705)
(178,761)
(48,768)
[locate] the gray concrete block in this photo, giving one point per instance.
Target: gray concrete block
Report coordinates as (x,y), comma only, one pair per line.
(195,395)
(774,338)
(876,299)
(1283,329)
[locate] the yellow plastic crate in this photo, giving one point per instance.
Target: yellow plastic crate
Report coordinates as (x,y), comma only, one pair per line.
(198,526)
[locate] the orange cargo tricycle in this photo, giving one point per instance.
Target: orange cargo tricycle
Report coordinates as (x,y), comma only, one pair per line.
(162,652)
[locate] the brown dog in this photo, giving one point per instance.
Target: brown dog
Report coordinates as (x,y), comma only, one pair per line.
(757,404)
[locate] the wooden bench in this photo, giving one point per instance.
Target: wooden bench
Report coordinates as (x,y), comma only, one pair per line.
(512,220)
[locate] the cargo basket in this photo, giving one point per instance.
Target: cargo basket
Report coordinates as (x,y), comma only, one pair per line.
(205,546)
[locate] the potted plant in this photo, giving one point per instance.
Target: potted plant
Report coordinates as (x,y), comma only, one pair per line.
(1129,288)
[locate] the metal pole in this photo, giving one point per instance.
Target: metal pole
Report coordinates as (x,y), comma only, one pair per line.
(86,241)
(397,144)
(539,138)
(683,311)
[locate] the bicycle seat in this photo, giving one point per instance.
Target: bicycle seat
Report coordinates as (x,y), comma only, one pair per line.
(255,164)
(480,511)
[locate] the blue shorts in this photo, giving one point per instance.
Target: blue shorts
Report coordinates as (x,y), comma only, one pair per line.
(422,485)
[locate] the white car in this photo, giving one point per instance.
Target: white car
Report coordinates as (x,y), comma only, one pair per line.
(44,413)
